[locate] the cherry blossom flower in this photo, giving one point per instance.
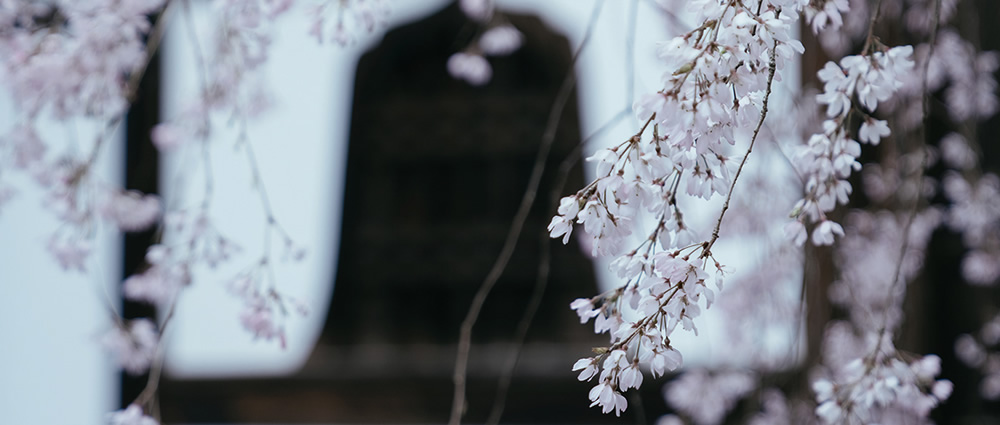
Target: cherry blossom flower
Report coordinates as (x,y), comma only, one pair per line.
(707,398)
(135,347)
(472,68)
(955,152)
(588,369)
(157,285)
(823,235)
(479,10)
(130,210)
(71,253)
(131,415)
(352,17)
(500,40)
(872,131)
(822,13)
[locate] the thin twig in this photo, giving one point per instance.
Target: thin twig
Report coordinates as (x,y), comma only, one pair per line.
(129,91)
(911,216)
(152,46)
(148,394)
(199,56)
(465,334)
(871,28)
(541,281)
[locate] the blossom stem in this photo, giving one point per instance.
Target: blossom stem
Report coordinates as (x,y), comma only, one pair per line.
(870,40)
(911,215)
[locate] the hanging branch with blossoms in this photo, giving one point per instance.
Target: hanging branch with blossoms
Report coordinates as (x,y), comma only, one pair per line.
(80,62)
(717,89)
(719,80)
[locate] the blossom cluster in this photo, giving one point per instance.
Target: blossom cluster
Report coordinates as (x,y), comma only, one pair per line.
(80,63)
(869,287)
(133,344)
(980,351)
(351,17)
(975,202)
(668,294)
(706,397)
(70,58)
(882,383)
(964,75)
(867,389)
(72,61)
(830,157)
(716,88)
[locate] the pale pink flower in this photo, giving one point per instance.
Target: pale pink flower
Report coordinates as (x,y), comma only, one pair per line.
(157,285)
(630,377)
(167,137)
(956,153)
(584,307)
(942,389)
(500,40)
(479,10)
(795,231)
(872,131)
(134,348)
(981,268)
(71,253)
(969,351)
(131,210)
(259,320)
(587,367)
(824,233)
(131,415)
(472,68)
(561,226)
(707,398)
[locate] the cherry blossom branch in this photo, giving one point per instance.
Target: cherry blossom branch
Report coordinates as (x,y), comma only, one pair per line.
(271,222)
(555,115)
(707,251)
(153,41)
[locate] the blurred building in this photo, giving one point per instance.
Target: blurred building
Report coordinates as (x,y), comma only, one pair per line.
(436,171)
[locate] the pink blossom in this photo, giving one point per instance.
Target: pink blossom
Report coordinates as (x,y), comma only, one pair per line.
(479,10)
(472,68)
(135,347)
(71,253)
(130,210)
(500,40)
(131,415)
